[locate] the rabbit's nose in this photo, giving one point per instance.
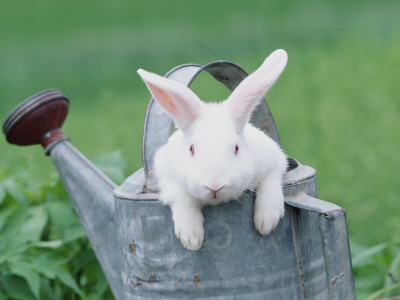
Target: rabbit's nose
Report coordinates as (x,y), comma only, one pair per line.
(214,190)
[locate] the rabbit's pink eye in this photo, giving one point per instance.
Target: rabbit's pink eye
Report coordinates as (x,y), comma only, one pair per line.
(191,149)
(236,150)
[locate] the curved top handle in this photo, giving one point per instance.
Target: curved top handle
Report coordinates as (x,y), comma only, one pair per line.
(158,124)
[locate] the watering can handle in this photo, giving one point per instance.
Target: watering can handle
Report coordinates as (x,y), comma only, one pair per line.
(158,124)
(335,241)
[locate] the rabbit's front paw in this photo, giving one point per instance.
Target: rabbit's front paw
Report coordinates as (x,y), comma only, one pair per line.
(189,227)
(267,218)
(190,231)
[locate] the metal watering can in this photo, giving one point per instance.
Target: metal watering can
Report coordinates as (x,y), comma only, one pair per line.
(306,257)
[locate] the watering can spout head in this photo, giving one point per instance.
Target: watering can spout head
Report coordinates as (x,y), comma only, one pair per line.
(38,120)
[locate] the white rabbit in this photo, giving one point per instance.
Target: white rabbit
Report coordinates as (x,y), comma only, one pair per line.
(216,154)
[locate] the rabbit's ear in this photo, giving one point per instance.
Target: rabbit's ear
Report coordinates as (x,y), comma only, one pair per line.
(178,100)
(249,93)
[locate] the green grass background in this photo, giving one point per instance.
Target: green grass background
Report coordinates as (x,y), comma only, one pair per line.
(336,105)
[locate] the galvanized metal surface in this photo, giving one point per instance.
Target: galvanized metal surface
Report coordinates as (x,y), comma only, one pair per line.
(91,193)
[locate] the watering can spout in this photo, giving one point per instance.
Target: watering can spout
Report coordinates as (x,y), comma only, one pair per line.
(38,120)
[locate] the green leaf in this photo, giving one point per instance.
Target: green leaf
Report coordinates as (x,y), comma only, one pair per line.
(381,291)
(65,222)
(112,164)
(94,277)
(11,246)
(24,224)
(16,287)
(45,262)
(16,218)
(51,266)
(362,257)
(83,259)
(26,271)
(3,296)
(47,289)
(68,280)
(48,244)
(2,193)
(33,226)
(53,271)
(11,239)
(13,188)
(5,213)
(393,270)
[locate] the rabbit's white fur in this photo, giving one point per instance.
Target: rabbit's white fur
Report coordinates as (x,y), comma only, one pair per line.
(216,154)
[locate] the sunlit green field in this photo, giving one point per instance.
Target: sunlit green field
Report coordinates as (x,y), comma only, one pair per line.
(337,104)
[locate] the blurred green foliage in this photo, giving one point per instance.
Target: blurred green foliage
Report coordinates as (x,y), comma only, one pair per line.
(336,107)
(44,252)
